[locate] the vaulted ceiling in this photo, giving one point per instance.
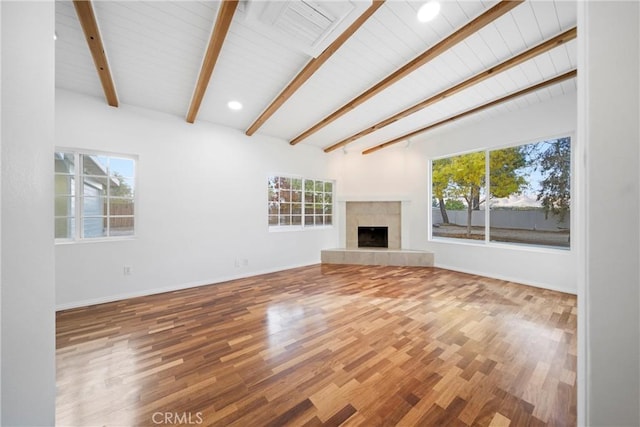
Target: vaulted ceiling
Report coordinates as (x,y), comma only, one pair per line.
(505,55)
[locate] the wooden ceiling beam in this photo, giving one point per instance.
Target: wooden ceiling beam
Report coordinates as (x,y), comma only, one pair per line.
(311,67)
(549,82)
(219,33)
(539,49)
(462,33)
(89,25)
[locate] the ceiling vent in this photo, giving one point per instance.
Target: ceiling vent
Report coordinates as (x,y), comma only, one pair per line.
(307,26)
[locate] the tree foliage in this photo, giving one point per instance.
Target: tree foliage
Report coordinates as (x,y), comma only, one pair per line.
(554,163)
(119,186)
(506,172)
(454,205)
(462,178)
(440,181)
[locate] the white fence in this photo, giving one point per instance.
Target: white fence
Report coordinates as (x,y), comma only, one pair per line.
(523,220)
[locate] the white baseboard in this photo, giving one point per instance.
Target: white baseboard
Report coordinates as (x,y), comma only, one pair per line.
(180,286)
(508,279)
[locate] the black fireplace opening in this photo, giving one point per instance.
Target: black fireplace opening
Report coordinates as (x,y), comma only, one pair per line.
(373,237)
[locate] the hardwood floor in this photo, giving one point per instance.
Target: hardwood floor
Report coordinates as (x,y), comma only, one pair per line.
(324,345)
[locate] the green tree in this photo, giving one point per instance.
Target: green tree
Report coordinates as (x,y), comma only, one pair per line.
(463,177)
(119,186)
(555,166)
(460,177)
(454,205)
(440,182)
(506,167)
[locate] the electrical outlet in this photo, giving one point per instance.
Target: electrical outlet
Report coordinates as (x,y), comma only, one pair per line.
(245,262)
(126,270)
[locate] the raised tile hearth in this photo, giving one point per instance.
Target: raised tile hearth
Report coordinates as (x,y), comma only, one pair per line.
(371,256)
(365,213)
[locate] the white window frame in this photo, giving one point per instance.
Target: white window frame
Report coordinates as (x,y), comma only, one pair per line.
(487,242)
(303,226)
(78,213)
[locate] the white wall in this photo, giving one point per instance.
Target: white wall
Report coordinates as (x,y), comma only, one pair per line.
(609,112)
(202,203)
(27,258)
(400,172)
(0,217)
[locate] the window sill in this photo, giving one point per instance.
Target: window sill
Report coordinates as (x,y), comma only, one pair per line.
(284,229)
(503,245)
(63,242)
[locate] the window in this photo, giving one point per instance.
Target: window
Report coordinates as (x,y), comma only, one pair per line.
(299,202)
(529,188)
(94,195)
(285,201)
(458,185)
(318,202)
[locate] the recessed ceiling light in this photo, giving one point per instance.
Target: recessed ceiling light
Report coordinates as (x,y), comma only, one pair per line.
(234,105)
(428,11)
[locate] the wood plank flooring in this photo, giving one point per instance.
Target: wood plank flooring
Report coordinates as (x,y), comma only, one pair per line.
(324,345)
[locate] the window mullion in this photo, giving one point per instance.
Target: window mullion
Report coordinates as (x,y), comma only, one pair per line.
(78,176)
(304,202)
(108,198)
(487,196)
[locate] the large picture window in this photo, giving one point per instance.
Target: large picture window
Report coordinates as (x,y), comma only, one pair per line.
(519,195)
(299,202)
(94,195)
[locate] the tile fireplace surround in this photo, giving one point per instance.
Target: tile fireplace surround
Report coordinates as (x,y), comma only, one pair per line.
(375,214)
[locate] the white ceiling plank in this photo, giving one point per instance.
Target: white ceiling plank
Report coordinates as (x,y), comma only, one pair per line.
(472,9)
(494,40)
(510,33)
(527,24)
(495,87)
(409,36)
(450,18)
(547,67)
(456,69)
(560,59)
(481,50)
(470,59)
(511,80)
(555,90)
(526,74)
(154,45)
(566,12)
(546,17)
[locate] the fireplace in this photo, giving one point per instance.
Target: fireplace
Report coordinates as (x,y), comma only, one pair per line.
(373,237)
(372,215)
